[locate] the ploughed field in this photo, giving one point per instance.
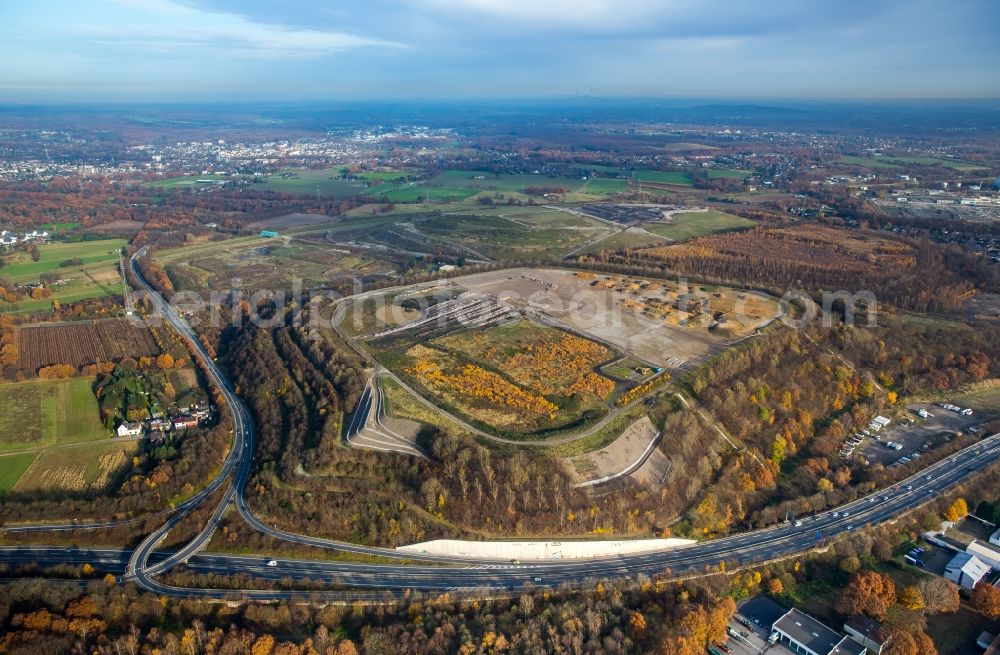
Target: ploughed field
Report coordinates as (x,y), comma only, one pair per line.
(79,344)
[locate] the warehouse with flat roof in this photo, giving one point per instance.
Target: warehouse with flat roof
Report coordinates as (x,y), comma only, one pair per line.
(803,634)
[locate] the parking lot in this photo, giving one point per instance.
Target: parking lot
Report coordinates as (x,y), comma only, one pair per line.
(750,628)
(916,435)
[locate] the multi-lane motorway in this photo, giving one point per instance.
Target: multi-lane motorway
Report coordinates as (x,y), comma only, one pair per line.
(345,580)
(359,580)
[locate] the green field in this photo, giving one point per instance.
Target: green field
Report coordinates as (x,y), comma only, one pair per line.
(630,238)
(42,413)
(21,269)
(680,178)
(11,469)
(386,176)
(503,182)
(60,227)
(413,192)
(718,173)
(511,233)
(183,181)
(96,277)
(74,290)
(604,186)
(271,263)
(986,399)
(695,224)
(306,182)
(890,161)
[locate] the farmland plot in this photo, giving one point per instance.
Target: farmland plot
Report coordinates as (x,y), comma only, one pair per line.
(87,468)
(79,344)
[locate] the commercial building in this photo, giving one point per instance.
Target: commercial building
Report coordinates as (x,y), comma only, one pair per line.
(803,634)
(869,633)
(986,554)
(966,570)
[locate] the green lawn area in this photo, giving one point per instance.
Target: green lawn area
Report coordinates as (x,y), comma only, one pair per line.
(681,178)
(695,224)
(604,186)
(11,469)
(21,269)
(41,413)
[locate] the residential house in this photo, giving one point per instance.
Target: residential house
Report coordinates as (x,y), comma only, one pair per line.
(161,424)
(199,411)
(185,422)
(126,429)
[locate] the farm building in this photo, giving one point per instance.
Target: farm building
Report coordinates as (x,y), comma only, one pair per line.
(966,570)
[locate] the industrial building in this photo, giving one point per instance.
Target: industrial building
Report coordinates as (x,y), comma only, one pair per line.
(803,634)
(966,570)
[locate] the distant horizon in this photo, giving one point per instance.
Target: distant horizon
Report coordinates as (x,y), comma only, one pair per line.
(217,50)
(259,103)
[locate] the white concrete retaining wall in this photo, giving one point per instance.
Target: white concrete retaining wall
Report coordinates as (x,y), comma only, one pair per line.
(541,550)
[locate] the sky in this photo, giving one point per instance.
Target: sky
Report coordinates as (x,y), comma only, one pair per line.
(283,50)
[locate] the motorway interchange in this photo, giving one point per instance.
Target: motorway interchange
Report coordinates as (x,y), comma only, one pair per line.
(438,573)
